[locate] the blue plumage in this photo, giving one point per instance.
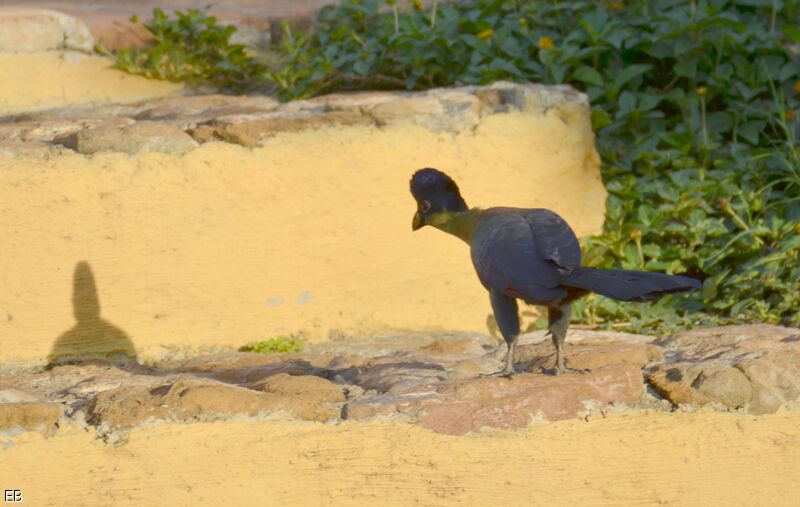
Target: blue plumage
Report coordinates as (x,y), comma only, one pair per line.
(529,254)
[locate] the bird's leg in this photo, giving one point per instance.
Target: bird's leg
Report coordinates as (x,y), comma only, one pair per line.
(507,317)
(558,322)
(508,370)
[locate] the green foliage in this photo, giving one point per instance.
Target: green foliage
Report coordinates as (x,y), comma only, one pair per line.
(695,104)
(277,345)
(191,48)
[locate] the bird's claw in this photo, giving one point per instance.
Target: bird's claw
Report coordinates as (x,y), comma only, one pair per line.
(505,372)
(556,371)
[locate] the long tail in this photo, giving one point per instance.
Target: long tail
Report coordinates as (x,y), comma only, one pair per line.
(626,285)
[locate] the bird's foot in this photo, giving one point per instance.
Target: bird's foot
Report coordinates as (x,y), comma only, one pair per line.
(556,371)
(505,372)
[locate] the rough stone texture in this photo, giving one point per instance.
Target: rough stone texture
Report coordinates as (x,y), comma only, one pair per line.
(32,416)
(754,366)
(25,30)
(125,407)
(250,369)
(251,121)
(45,131)
(29,149)
(444,110)
(442,382)
(463,406)
(304,397)
(188,112)
(134,138)
(192,399)
(11,395)
(253,129)
(400,374)
(590,356)
(686,383)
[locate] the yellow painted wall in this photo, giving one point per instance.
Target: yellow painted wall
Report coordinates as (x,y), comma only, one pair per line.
(311,233)
(52,79)
(655,458)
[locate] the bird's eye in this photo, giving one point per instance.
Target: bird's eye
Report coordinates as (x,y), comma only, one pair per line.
(424,206)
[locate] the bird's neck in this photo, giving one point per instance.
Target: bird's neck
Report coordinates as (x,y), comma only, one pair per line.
(460,224)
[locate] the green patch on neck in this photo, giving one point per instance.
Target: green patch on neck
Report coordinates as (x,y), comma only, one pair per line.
(460,224)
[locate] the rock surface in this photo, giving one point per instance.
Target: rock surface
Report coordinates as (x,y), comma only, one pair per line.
(32,416)
(755,366)
(189,398)
(181,123)
(441,382)
(134,138)
(26,30)
(468,405)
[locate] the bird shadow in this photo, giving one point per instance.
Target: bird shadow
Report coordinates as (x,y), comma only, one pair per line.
(92,337)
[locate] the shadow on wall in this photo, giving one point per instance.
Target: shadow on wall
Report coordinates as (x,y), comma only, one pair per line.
(92,336)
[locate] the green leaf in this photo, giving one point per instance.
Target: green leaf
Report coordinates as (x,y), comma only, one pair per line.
(627,102)
(793,31)
(361,67)
(558,71)
(599,119)
(629,72)
(687,67)
(588,75)
(751,130)
(651,250)
(719,121)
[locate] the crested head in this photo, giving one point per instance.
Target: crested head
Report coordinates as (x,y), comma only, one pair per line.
(438,189)
(438,198)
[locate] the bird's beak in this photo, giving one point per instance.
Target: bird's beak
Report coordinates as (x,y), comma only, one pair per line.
(418,222)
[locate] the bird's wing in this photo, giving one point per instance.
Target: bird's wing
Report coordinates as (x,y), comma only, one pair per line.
(508,260)
(554,239)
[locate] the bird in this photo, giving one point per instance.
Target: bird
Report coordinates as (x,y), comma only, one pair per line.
(530,255)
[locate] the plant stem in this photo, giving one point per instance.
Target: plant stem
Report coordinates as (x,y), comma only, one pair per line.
(703,120)
(772,17)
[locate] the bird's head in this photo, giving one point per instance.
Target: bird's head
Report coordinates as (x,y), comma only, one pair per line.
(435,193)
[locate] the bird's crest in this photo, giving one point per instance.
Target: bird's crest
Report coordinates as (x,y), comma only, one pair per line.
(428,183)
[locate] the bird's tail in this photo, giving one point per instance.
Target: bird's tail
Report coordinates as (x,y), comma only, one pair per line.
(626,285)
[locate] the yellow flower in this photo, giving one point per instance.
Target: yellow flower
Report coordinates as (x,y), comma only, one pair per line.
(546,42)
(486,34)
(617,6)
(417,4)
(523,21)
(791,115)
(797,86)
(701,90)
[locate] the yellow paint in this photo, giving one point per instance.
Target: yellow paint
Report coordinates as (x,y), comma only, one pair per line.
(311,233)
(51,79)
(633,459)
